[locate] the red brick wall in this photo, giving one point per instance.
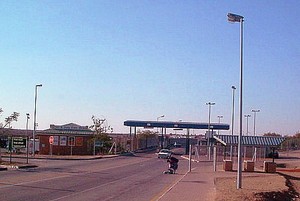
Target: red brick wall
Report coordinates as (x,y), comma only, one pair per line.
(61,147)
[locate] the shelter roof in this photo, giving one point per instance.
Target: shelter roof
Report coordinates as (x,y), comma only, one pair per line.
(172,124)
(250,140)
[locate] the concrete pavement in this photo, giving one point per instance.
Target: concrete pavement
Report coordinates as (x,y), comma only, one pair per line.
(195,185)
(199,184)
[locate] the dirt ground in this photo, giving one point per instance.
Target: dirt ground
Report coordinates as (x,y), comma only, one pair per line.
(284,185)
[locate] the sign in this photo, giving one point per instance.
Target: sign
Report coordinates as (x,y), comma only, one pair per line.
(51,139)
(55,140)
(71,141)
(63,141)
(19,142)
(79,141)
(98,143)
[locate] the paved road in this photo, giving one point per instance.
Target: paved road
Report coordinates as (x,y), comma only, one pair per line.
(120,178)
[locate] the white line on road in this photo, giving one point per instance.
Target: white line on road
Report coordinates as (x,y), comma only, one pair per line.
(90,189)
(7,185)
(170,188)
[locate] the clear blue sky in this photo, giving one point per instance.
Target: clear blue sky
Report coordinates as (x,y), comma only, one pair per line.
(141,59)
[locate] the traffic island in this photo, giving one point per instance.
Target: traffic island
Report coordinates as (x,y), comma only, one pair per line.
(5,165)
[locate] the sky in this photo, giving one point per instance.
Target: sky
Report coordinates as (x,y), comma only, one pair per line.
(138,60)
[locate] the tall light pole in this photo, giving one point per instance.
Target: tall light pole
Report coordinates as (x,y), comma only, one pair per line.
(209,135)
(219,117)
(232,118)
(254,120)
(237,18)
(34,117)
(247,117)
(27,138)
(162,132)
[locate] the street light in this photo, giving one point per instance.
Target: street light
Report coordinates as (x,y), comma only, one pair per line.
(238,18)
(209,136)
(34,117)
(220,117)
(254,111)
(247,117)
(27,138)
(232,119)
(254,133)
(162,132)
(162,116)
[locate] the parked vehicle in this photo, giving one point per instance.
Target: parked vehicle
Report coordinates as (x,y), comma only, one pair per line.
(164,153)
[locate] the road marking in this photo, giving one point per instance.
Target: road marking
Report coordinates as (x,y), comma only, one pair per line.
(28,182)
(164,192)
(7,185)
(167,189)
(194,160)
(90,189)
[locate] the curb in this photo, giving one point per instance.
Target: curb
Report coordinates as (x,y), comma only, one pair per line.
(3,168)
(66,158)
(6,167)
(26,166)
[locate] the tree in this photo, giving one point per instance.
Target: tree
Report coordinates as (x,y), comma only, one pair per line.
(8,120)
(147,138)
(291,142)
(101,130)
(272,134)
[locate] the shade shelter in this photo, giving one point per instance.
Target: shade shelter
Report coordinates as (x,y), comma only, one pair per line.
(163,125)
(266,143)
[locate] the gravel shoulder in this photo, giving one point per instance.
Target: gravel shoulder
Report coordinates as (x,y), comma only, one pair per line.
(282,185)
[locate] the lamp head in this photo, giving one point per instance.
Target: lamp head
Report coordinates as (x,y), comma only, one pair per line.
(234,17)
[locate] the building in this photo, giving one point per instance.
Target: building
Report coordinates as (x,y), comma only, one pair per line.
(68,139)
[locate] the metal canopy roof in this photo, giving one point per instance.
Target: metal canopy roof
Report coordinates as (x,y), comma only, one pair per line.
(250,140)
(171,124)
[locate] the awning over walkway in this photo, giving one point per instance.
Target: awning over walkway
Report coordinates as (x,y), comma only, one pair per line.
(171,124)
(250,140)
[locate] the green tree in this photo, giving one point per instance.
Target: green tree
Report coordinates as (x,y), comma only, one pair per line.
(291,142)
(272,134)
(8,120)
(147,138)
(101,131)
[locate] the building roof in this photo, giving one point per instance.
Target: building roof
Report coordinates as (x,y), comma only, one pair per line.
(69,129)
(172,124)
(250,140)
(15,132)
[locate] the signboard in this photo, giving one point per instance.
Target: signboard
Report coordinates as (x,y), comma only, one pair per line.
(79,141)
(19,142)
(98,143)
(55,140)
(71,141)
(63,141)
